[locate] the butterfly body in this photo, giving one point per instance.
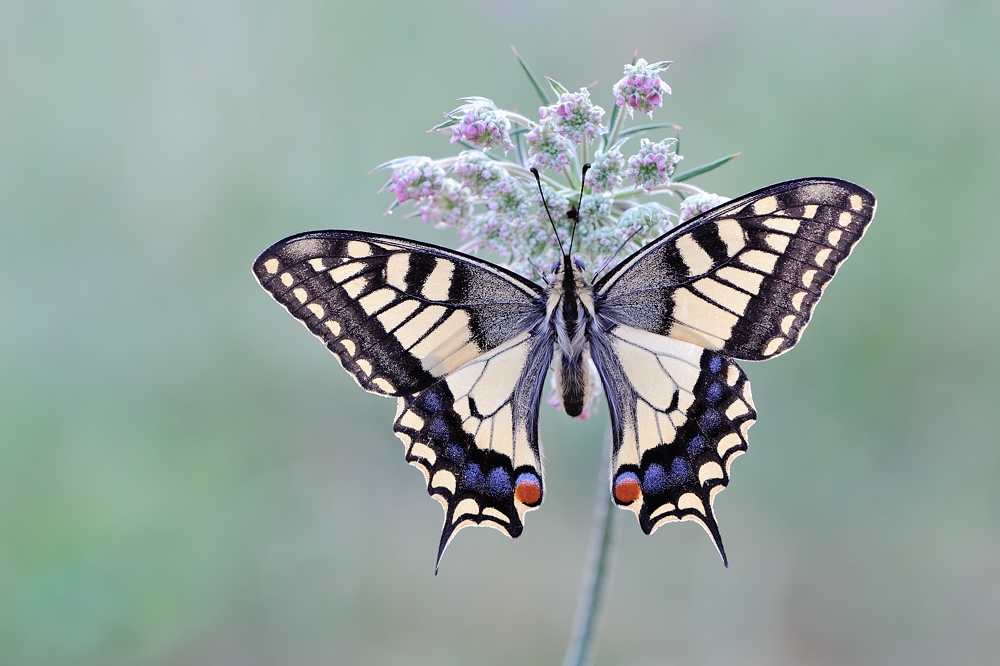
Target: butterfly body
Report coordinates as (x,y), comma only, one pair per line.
(465,346)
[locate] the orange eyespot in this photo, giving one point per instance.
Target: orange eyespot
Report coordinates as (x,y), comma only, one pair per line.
(627,488)
(528,489)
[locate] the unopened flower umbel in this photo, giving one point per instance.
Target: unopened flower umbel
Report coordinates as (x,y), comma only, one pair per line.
(488,194)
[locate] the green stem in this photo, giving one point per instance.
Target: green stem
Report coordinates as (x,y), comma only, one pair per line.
(597,577)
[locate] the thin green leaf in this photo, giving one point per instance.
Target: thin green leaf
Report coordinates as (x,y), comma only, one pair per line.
(557,88)
(647,128)
(531,77)
(704,168)
(447,123)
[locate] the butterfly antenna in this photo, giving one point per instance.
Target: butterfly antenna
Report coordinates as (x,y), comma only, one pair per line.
(538,180)
(576,217)
(615,253)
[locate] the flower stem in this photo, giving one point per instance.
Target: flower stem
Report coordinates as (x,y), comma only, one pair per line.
(597,576)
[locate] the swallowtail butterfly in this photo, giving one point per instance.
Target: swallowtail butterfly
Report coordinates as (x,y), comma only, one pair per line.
(465,346)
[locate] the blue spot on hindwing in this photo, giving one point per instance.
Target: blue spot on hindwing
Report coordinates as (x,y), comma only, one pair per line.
(714,393)
(709,420)
(473,477)
(680,472)
(654,480)
(454,452)
(715,364)
(438,428)
(696,445)
(432,402)
(498,482)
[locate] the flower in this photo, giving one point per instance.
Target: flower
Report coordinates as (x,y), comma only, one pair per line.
(697,204)
(641,88)
(415,178)
(653,165)
(650,219)
(481,124)
(575,117)
(595,210)
(485,177)
(547,148)
(606,170)
(450,207)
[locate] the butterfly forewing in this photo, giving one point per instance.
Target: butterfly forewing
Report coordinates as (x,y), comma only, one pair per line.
(398,314)
(744,277)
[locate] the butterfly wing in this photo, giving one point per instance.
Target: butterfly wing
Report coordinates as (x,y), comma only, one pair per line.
(744,277)
(740,281)
(456,339)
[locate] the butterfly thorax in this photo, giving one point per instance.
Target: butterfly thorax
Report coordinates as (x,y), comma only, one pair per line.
(570,313)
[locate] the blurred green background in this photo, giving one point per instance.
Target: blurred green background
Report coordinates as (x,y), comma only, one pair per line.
(187,477)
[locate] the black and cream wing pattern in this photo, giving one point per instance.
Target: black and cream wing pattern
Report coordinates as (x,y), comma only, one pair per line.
(465,346)
(738,282)
(453,338)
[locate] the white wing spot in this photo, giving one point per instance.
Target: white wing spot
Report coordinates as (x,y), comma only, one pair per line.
(317,264)
(376,300)
(745,280)
(822,256)
(732,375)
(365,366)
(765,206)
(355,286)
(386,386)
(807,277)
(845,219)
(468,506)
(777,242)
(359,250)
(346,271)
(301,294)
(410,419)
(349,346)
(797,300)
(271,265)
(396,269)
(334,326)
(438,283)
(736,410)
(728,443)
(788,224)
(855,202)
(695,258)
(772,346)
(317,310)
(709,471)
(732,235)
(834,237)
(287,279)
(809,211)
(762,261)
(786,323)
(690,500)
(444,479)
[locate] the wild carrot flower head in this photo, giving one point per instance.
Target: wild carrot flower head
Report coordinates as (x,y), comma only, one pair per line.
(487,193)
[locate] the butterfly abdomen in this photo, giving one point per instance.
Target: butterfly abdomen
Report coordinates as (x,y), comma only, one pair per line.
(572,319)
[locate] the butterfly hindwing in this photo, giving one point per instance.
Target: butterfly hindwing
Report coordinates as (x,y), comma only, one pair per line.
(474,435)
(680,415)
(744,277)
(398,314)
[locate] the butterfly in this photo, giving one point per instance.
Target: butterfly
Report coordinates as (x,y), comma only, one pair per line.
(465,346)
